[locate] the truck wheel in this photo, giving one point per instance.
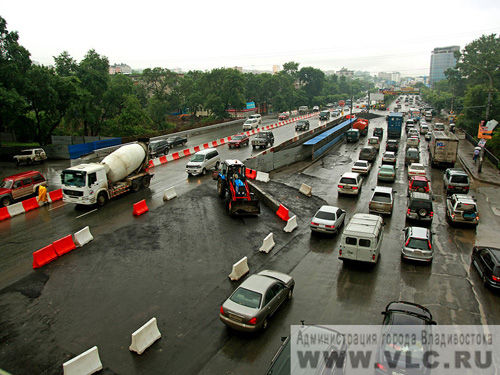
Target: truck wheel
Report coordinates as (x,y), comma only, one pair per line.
(136,185)
(203,171)
(102,199)
(146,180)
(220,189)
(5,201)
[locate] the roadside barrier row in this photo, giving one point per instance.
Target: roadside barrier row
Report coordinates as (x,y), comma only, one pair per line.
(60,247)
(89,361)
(190,151)
(28,205)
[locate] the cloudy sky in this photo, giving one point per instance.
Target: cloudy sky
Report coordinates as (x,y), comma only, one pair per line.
(361,35)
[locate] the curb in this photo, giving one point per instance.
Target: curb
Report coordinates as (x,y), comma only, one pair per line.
(266,198)
(474,177)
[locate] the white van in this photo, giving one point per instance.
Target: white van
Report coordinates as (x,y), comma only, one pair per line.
(257,117)
(202,161)
(362,238)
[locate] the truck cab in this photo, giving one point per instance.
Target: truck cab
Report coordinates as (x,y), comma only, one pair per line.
(82,183)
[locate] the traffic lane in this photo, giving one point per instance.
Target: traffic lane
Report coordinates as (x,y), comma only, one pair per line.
(50,169)
(171,263)
(449,260)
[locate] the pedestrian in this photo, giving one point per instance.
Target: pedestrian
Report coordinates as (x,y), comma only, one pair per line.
(42,194)
(476,155)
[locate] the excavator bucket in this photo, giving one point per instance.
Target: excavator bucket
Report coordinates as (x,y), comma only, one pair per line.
(244,207)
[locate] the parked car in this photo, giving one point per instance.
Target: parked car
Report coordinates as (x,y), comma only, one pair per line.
(239,140)
(20,185)
(176,141)
(361,239)
(416,169)
(350,183)
(256,299)
(386,173)
(202,161)
(316,108)
(328,219)
(30,156)
(413,133)
(382,200)
(424,129)
(392,145)
(158,148)
(417,244)
(361,167)
(284,116)
(335,113)
(412,155)
(419,184)
(389,157)
(486,260)
(257,117)
(406,313)
(250,124)
(302,125)
(263,139)
(461,208)
(368,153)
(420,207)
(456,180)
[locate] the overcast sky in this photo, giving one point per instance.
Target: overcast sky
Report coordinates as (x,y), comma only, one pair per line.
(361,35)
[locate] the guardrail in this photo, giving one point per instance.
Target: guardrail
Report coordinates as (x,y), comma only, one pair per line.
(487,153)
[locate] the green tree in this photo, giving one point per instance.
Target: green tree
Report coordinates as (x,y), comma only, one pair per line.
(312,80)
(49,97)
(291,68)
(65,65)
(14,64)
(132,120)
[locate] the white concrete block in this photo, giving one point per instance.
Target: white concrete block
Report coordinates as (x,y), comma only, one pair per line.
(15,209)
(291,224)
(268,243)
(169,194)
(262,176)
(86,363)
(145,336)
(306,190)
(240,269)
(83,237)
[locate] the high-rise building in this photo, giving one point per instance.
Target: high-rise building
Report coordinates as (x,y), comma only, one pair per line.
(442,58)
(345,73)
(276,69)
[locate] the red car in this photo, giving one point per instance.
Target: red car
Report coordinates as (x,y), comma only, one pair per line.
(19,186)
(239,141)
(420,184)
(284,116)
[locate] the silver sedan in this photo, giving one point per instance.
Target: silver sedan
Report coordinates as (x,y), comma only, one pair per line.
(255,300)
(328,219)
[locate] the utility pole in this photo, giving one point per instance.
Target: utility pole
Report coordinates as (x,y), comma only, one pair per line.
(490,90)
(369,102)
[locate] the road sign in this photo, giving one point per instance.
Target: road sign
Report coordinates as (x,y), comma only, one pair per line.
(481,143)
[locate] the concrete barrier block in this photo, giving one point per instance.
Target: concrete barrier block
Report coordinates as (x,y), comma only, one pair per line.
(306,190)
(291,224)
(84,364)
(145,336)
(83,237)
(267,244)
(240,268)
(15,209)
(262,176)
(169,194)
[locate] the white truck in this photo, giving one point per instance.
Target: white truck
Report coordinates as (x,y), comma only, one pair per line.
(125,169)
(443,149)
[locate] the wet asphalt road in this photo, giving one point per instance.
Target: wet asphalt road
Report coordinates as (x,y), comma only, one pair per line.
(173,262)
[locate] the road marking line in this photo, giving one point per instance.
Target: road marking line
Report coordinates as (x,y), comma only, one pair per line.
(95,209)
(53,208)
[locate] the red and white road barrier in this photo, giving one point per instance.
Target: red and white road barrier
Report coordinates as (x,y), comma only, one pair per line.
(219,142)
(28,205)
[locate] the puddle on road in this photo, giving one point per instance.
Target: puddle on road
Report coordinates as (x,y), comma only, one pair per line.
(334,160)
(30,286)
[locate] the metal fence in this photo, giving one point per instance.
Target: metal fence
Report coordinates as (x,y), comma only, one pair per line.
(488,154)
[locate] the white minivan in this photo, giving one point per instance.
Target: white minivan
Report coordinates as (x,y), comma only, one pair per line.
(202,161)
(362,238)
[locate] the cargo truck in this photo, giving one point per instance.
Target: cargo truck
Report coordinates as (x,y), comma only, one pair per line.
(443,149)
(125,169)
(362,125)
(394,125)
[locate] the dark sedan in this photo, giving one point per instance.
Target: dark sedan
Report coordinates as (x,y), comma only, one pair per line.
(176,141)
(239,141)
(486,260)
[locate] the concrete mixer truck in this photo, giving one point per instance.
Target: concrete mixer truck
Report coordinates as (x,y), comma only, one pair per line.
(125,169)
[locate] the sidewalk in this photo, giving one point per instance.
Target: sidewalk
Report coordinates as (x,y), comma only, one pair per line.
(489,174)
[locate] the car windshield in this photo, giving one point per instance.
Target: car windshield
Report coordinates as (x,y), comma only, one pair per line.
(26,152)
(466,207)
(237,137)
(348,180)
(460,179)
(417,204)
(418,243)
(250,121)
(73,178)
(419,183)
(301,122)
(197,158)
(6,184)
(386,168)
(246,297)
(325,215)
(382,197)
(360,164)
(418,167)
